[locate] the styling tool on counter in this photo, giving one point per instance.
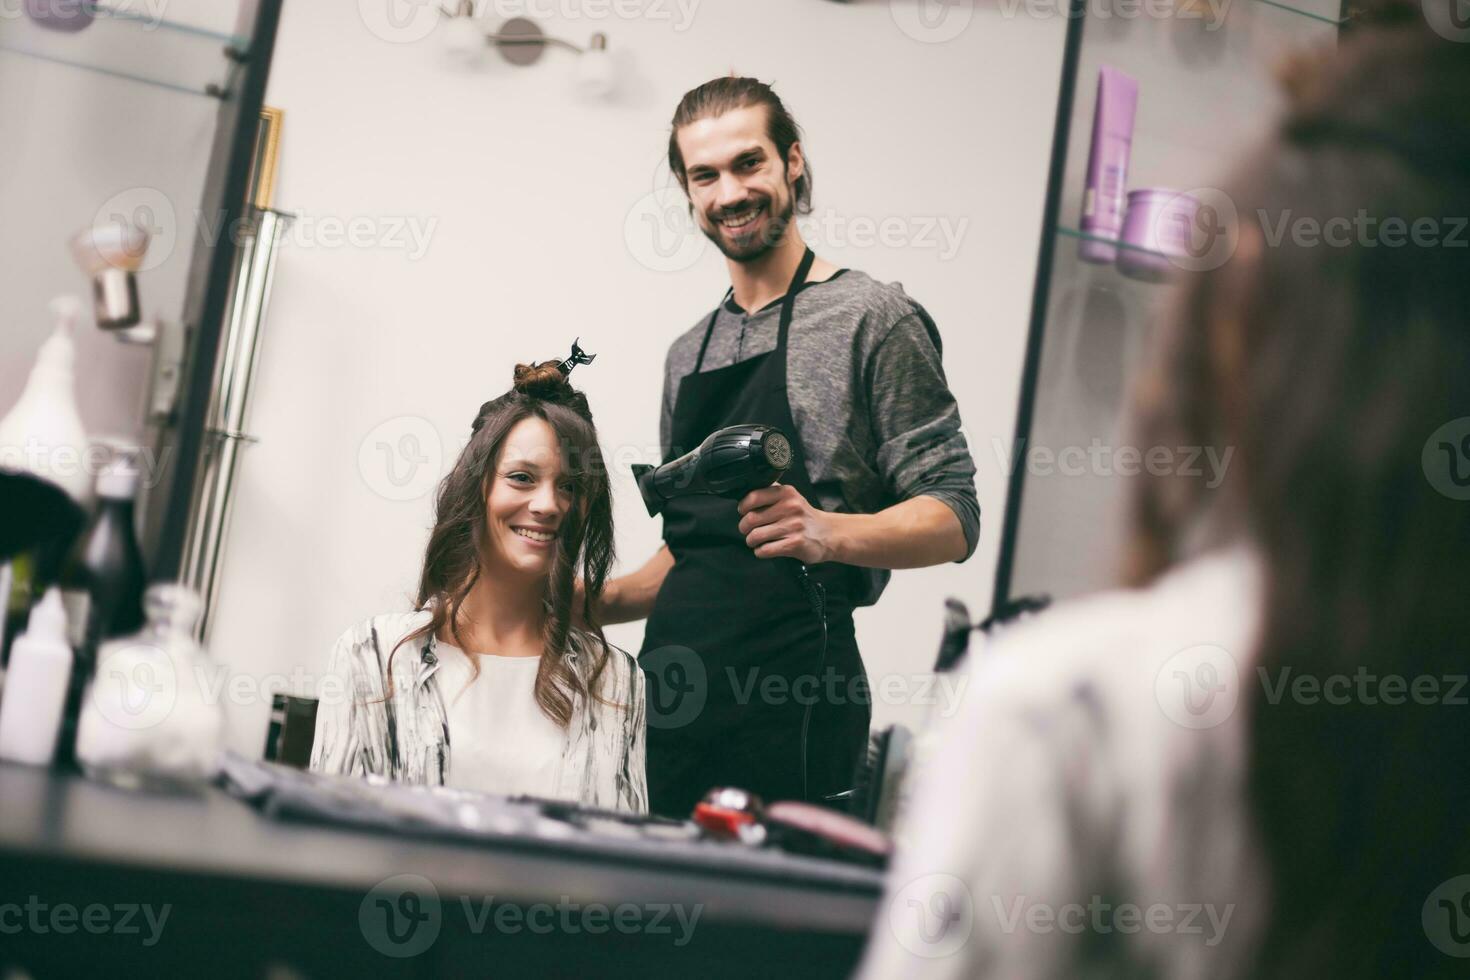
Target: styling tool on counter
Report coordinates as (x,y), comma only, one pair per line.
(522,825)
(805,828)
(730,463)
(733,814)
(729,813)
(613,823)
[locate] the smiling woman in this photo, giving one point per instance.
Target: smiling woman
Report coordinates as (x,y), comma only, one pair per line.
(489,662)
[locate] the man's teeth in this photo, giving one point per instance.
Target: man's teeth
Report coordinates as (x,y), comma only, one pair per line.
(741,221)
(533,535)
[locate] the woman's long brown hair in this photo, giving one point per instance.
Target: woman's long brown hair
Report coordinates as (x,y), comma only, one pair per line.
(584,542)
(1330,368)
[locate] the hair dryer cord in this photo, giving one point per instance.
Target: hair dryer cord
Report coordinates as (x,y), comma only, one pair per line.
(818,598)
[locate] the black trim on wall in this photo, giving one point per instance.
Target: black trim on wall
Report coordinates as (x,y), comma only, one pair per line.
(181,444)
(1076,15)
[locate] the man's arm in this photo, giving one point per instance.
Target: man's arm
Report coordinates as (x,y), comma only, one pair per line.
(922,455)
(916,533)
(631,596)
(780,522)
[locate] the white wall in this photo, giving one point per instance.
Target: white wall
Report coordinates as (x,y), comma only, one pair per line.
(543,209)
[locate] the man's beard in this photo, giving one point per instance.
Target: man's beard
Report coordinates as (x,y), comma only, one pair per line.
(760,244)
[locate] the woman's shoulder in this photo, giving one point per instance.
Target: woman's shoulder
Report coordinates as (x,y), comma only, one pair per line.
(373,639)
(1128,669)
(1214,599)
(620,670)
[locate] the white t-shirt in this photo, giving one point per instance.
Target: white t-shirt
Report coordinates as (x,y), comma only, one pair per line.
(500,741)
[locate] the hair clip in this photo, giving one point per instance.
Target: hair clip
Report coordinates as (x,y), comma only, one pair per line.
(578,357)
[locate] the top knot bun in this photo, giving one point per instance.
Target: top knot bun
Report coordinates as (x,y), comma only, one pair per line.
(544,380)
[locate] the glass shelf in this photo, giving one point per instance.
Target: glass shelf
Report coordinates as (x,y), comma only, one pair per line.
(1102,240)
(1319,15)
(134,46)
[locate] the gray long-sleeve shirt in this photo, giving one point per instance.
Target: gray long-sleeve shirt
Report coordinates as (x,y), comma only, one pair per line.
(873,412)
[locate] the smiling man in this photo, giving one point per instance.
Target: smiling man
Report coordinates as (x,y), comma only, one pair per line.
(881,478)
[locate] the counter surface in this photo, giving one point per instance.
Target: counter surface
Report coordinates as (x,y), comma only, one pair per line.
(252,896)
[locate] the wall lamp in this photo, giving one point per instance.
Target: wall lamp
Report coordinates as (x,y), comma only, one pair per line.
(521,41)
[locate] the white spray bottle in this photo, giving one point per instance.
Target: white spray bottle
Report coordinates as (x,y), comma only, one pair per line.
(35,685)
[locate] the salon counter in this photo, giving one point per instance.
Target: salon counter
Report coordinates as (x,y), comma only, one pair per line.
(250,896)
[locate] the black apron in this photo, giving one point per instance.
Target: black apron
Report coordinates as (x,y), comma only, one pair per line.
(733,650)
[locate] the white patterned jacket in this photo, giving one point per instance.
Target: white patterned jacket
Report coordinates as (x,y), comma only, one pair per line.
(406,738)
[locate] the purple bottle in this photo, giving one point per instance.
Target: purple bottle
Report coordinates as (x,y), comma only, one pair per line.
(62,15)
(1104,200)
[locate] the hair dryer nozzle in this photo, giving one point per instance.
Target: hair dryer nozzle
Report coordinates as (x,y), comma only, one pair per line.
(730,463)
(643,473)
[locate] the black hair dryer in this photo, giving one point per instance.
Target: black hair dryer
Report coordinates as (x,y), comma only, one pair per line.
(732,462)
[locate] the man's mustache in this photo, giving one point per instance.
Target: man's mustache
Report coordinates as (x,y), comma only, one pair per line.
(736,212)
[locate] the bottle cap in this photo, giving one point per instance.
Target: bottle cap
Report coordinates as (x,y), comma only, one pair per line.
(171,602)
(48,617)
(119,478)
